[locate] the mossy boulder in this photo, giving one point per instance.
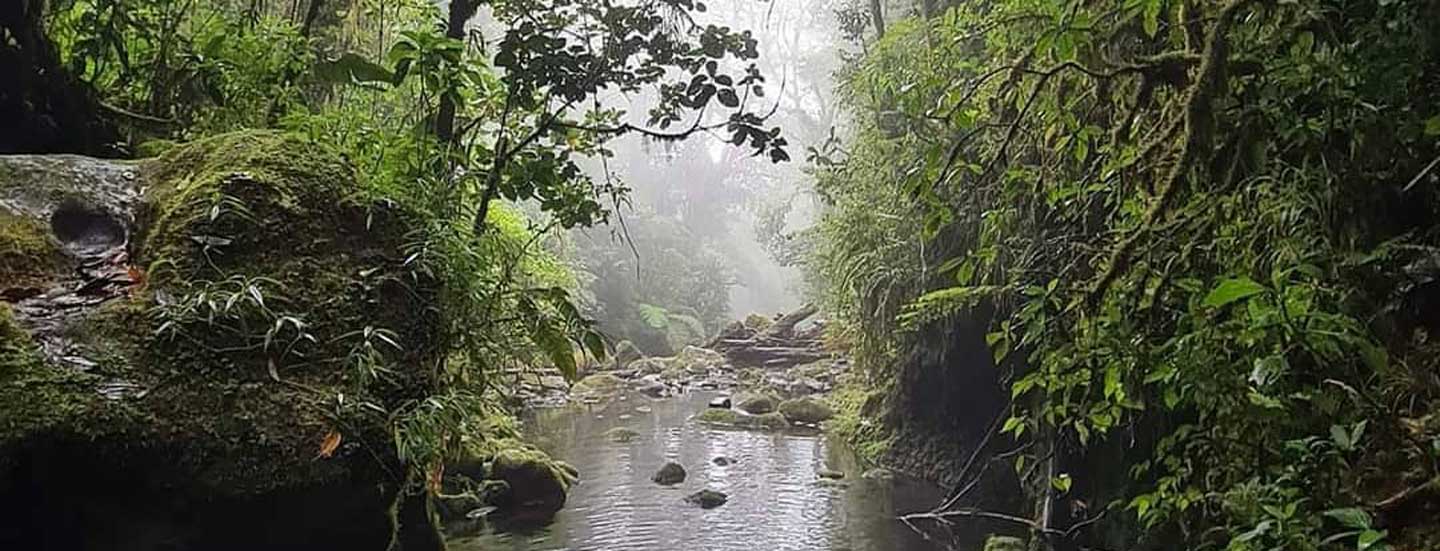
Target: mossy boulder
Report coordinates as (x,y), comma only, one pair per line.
(758,322)
(731,418)
(806,410)
(755,403)
(196,422)
(535,481)
(600,386)
(696,361)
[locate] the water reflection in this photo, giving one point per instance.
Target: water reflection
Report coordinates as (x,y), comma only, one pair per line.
(777,501)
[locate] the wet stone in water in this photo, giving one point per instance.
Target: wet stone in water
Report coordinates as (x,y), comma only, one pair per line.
(707,498)
(670,474)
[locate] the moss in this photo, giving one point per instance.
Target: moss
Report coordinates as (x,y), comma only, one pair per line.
(1004,543)
(599,385)
(732,418)
(805,410)
(757,322)
(870,438)
(755,402)
(153,148)
(33,397)
(29,255)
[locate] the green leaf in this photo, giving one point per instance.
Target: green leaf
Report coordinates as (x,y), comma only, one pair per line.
(1062,483)
(1351,517)
(1432,126)
(1369,538)
(554,344)
(1231,290)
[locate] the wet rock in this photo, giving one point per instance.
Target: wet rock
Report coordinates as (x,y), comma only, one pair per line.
(722,461)
(654,389)
(707,498)
(598,386)
(649,366)
(830,474)
(536,482)
(754,403)
(1004,543)
(732,418)
(670,474)
(621,435)
(879,474)
(722,402)
(806,410)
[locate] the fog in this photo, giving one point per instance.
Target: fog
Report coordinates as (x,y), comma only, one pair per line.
(701,211)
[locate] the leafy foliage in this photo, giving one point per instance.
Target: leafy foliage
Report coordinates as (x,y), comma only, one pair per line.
(1193,216)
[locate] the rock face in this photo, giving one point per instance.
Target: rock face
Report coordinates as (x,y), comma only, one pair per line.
(132,406)
(670,474)
(707,498)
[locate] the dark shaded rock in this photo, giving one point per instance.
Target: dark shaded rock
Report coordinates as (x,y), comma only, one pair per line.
(535,481)
(670,474)
(707,498)
(722,461)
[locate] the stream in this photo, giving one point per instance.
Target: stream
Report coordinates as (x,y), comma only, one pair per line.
(777,500)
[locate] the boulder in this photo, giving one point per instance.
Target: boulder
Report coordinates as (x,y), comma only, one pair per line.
(707,498)
(722,402)
(599,386)
(698,361)
(124,389)
(806,410)
(670,474)
(535,481)
(757,322)
(830,474)
(650,366)
(754,403)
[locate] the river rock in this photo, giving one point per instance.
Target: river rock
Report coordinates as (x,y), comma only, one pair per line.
(806,410)
(722,461)
(878,473)
(654,389)
(697,361)
(707,498)
(600,386)
(722,402)
(754,403)
(194,436)
(830,473)
(536,482)
(621,434)
(670,474)
(650,366)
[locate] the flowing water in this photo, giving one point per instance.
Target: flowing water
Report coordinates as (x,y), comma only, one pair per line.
(777,501)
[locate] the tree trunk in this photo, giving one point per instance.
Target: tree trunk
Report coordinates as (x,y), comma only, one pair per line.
(460,13)
(877,16)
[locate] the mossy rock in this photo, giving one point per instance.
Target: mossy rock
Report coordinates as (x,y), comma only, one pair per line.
(621,435)
(649,366)
(696,360)
(598,386)
(153,148)
(1005,543)
(731,418)
(755,403)
(670,474)
(806,410)
(29,254)
(536,482)
(206,422)
(758,322)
